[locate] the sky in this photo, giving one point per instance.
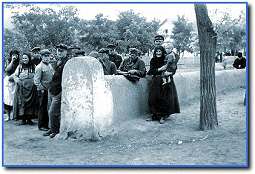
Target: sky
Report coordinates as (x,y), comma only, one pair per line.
(150,11)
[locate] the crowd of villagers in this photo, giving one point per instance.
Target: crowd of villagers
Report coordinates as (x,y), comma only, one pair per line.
(32,83)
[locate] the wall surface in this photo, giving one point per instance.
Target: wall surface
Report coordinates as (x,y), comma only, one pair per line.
(93,104)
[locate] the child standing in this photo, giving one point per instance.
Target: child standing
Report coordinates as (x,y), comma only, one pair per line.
(42,78)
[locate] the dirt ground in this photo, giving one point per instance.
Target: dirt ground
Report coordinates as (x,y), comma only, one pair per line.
(137,142)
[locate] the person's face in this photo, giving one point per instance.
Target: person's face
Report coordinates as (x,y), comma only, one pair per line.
(25,59)
(168,49)
(133,56)
(46,58)
(111,51)
(61,53)
(14,57)
(52,59)
(159,53)
(158,42)
(105,56)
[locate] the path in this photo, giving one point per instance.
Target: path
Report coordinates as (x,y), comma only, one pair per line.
(177,142)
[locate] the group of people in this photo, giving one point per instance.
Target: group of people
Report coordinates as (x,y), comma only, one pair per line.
(32,88)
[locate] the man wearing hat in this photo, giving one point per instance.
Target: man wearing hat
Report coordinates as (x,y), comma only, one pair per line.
(158,40)
(113,56)
(42,78)
(72,50)
(36,57)
(79,53)
(108,66)
(55,89)
(133,68)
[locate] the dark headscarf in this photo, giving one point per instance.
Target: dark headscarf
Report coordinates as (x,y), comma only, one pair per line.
(30,65)
(159,48)
(157,62)
(11,53)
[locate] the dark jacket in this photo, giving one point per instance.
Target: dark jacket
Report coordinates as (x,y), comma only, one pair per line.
(11,67)
(108,67)
(240,63)
(55,85)
(137,65)
(116,59)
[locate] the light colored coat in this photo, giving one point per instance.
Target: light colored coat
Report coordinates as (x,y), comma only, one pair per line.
(43,76)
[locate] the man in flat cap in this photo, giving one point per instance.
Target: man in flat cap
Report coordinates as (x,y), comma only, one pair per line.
(42,79)
(55,89)
(108,66)
(158,40)
(36,57)
(113,56)
(133,68)
(72,50)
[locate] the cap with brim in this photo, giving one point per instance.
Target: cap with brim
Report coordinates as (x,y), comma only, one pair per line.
(62,46)
(134,51)
(45,52)
(74,48)
(103,50)
(35,49)
(111,46)
(93,54)
(80,52)
(159,37)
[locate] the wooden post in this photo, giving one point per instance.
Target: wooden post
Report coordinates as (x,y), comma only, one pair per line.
(207,44)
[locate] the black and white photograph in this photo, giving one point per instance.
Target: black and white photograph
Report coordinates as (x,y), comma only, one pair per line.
(125,85)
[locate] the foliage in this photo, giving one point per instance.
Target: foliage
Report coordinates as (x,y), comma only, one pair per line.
(12,41)
(231,31)
(182,35)
(98,32)
(47,27)
(135,31)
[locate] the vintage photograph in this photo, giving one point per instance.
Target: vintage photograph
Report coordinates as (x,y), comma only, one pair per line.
(125,84)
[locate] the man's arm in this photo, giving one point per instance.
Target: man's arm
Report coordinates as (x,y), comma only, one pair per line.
(235,64)
(141,71)
(37,78)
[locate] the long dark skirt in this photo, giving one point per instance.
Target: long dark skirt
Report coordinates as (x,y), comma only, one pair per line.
(25,100)
(163,100)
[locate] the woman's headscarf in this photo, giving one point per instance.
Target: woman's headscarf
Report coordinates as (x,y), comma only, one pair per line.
(159,48)
(13,52)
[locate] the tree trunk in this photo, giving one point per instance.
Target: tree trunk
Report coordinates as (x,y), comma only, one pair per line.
(207,44)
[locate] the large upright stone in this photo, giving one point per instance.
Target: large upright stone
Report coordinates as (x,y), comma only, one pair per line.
(87,106)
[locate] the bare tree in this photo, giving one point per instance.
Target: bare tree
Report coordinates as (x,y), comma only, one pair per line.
(207,44)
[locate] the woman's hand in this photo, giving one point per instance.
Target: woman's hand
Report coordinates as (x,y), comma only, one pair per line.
(17,80)
(167,73)
(11,79)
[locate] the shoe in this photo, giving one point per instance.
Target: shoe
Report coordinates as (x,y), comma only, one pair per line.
(29,122)
(52,135)
(43,129)
(47,133)
(162,121)
(23,122)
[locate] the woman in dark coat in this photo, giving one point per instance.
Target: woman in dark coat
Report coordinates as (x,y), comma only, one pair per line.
(163,99)
(24,107)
